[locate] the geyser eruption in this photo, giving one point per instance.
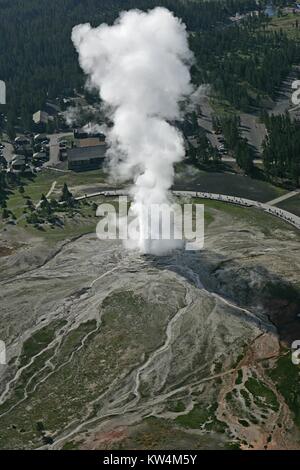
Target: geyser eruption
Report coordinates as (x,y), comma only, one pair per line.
(140,66)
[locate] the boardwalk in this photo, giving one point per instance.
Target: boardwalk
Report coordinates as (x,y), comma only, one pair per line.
(275,211)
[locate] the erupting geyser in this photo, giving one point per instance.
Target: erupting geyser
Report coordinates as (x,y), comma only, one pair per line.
(140,65)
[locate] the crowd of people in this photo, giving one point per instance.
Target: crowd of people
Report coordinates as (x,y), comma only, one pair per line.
(282,214)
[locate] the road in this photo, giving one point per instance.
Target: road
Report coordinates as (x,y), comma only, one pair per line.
(54,147)
(283,102)
(254,131)
(251,129)
(8,151)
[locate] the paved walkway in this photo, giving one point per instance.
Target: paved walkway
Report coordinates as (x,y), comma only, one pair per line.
(282,198)
(266,207)
(48,194)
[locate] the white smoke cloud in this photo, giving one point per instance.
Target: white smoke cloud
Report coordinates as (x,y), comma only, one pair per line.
(140,66)
(71,115)
(93,128)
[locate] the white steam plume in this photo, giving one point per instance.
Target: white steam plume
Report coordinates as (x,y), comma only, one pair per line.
(140,66)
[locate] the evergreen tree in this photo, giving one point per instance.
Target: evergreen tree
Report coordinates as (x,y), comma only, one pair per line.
(45,205)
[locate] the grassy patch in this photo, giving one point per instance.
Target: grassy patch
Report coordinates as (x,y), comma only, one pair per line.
(263,396)
(293,203)
(250,215)
(74,339)
(201,416)
(82,178)
(69,230)
(246,398)
(286,376)
(285,23)
(239,378)
(156,433)
(41,184)
(222,107)
(34,188)
(32,351)
(80,221)
(208,218)
(233,445)
(70,445)
(221,182)
(39,341)
(176,406)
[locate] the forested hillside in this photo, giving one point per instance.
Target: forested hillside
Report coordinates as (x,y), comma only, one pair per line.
(245,63)
(281,152)
(37,58)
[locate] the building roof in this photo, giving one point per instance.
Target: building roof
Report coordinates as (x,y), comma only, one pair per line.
(88,142)
(86,153)
(18,158)
(40,116)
